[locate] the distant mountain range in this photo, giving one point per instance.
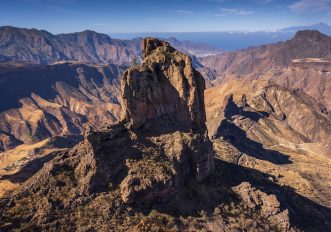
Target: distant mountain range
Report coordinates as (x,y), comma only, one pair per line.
(321,27)
(42,47)
(233,40)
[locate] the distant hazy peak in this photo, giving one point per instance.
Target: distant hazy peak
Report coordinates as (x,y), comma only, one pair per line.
(309,34)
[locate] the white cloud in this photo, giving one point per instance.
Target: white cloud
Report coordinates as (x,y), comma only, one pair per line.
(185,12)
(311,5)
(232,11)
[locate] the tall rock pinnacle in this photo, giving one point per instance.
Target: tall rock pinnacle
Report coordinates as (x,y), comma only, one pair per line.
(164,85)
(166,95)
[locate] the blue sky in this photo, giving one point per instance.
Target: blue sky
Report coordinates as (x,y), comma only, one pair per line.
(118,16)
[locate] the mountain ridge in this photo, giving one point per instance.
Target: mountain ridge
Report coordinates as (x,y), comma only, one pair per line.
(47,100)
(40,46)
(296,63)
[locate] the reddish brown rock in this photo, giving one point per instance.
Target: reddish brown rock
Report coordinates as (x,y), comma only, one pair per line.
(165,94)
(164,85)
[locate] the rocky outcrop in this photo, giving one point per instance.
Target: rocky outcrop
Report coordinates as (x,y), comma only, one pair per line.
(140,163)
(268,205)
(164,85)
(165,90)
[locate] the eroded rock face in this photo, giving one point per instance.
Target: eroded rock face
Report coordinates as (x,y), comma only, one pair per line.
(41,101)
(183,156)
(164,85)
(165,95)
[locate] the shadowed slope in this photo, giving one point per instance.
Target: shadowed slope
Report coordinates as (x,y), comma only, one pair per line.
(38,102)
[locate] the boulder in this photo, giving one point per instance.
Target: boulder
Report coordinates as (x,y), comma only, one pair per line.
(268,205)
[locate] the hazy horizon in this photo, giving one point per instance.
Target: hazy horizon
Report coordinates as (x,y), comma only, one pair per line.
(175,32)
(224,40)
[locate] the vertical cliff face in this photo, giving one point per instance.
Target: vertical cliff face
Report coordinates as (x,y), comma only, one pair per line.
(164,85)
(163,98)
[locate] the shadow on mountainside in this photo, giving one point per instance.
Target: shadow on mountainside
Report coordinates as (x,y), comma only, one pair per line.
(30,169)
(35,164)
(304,214)
(41,80)
(238,138)
(231,109)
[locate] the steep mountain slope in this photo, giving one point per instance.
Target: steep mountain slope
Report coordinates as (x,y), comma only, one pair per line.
(40,101)
(305,44)
(265,127)
(302,62)
(273,130)
(310,75)
(285,116)
(19,164)
(42,47)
